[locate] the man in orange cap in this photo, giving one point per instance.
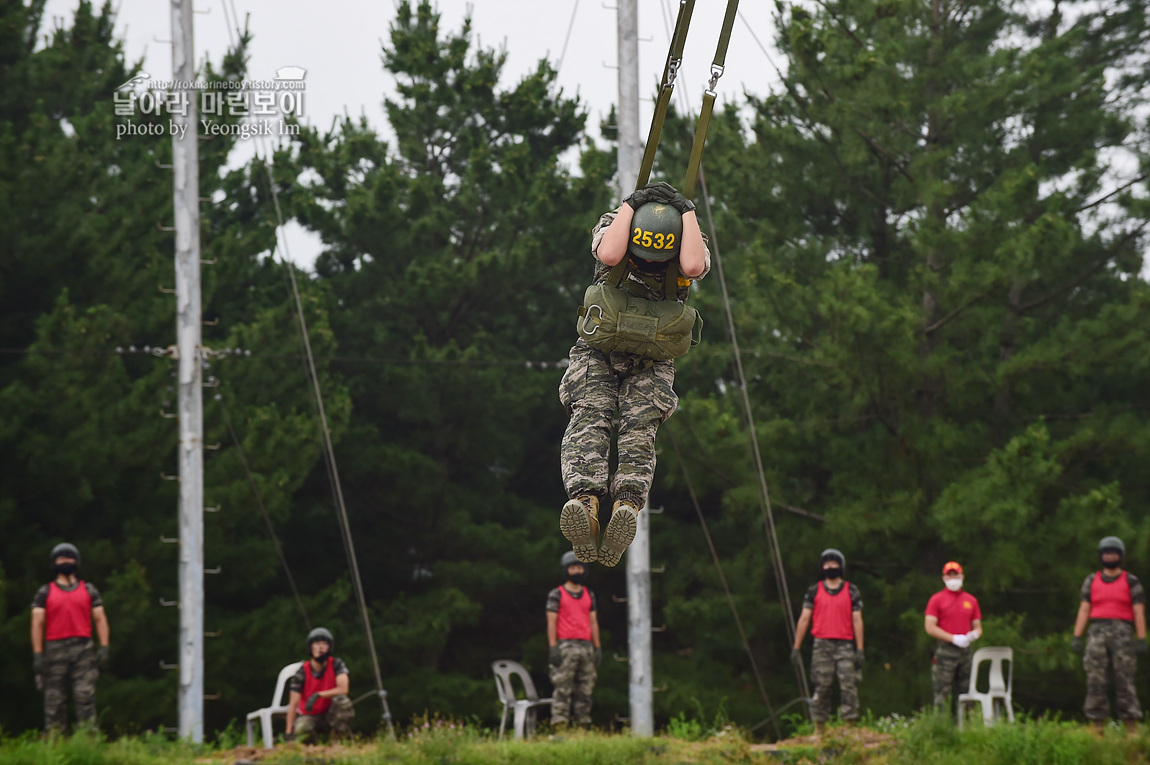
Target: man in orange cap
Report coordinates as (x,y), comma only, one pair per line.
(955,620)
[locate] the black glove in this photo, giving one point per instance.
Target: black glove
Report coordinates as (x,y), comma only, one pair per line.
(598,654)
(102,655)
(39,663)
(311,700)
(1140,646)
(796,655)
(554,658)
(860,659)
(289,737)
(1076,644)
(668,195)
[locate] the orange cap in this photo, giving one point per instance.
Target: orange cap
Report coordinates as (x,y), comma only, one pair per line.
(951,567)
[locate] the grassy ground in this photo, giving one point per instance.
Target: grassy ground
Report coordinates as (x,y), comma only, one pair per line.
(926,739)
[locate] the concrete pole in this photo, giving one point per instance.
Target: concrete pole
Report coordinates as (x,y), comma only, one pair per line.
(638,554)
(627,113)
(186,206)
(639,628)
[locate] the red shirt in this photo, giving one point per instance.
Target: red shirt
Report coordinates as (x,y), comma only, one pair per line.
(574,622)
(955,611)
(831,618)
(1111,600)
(313,684)
(68,613)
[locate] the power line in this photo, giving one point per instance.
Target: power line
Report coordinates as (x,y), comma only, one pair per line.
(570,26)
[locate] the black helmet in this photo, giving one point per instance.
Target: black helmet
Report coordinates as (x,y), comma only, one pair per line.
(568,559)
(64,549)
(1112,543)
(832,554)
(656,231)
(320,633)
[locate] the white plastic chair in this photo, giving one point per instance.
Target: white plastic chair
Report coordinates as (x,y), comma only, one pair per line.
(1000,688)
(524,708)
(278,707)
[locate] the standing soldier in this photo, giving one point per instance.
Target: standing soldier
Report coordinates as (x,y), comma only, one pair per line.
(832,609)
(318,702)
(954,619)
(634,321)
(573,637)
(63,612)
(1115,607)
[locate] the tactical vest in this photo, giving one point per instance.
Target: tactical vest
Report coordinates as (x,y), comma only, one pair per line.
(68,613)
(613,318)
(574,619)
(833,617)
(1111,600)
(313,684)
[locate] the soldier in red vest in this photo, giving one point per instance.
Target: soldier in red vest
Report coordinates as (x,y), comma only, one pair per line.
(832,609)
(63,613)
(954,619)
(317,698)
(573,637)
(1114,606)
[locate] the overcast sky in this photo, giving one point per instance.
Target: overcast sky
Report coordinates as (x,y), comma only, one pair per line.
(338,43)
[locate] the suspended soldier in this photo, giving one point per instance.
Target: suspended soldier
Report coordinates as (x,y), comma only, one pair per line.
(832,609)
(633,322)
(318,702)
(1112,613)
(573,637)
(954,619)
(63,612)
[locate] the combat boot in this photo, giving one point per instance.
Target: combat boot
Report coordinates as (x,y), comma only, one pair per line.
(1131,728)
(620,530)
(1099,728)
(820,729)
(579,522)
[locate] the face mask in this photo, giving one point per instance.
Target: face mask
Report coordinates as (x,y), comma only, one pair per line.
(954,585)
(832,573)
(577,578)
(1110,564)
(322,658)
(67,569)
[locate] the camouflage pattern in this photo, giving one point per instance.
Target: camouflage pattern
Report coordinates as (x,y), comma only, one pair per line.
(594,388)
(830,658)
(950,673)
(336,720)
(69,662)
(1110,649)
(573,680)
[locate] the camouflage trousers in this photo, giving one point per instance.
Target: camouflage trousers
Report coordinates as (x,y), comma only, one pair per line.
(1110,650)
(830,658)
(573,680)
(69,662)
(949,674)
(336,720)
(596,388)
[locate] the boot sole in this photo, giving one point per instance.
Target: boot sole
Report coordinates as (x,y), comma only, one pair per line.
(618,536)
(575,523)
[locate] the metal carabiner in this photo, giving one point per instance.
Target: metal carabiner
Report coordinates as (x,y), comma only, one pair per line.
(588,318)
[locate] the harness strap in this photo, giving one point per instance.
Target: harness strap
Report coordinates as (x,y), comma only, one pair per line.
(717,69)
(670,70)
(670,277)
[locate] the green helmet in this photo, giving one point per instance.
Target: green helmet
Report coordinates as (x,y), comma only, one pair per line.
(1112,543)
(832,554)
(320,633)
(656,231)
(64,549)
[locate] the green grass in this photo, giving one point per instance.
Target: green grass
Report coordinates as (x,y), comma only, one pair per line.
(927,738)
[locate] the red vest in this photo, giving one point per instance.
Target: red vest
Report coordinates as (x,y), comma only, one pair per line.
(1111,600)
(68,613)
(311,685)
(574,616)
(831,618)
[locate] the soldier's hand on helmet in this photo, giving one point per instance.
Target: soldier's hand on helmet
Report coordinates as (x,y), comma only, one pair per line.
(1076,644)
(311,700)
(102,655)
(1140,646)
(962,641)
(554,658)
(669,195)
(39,663)
(597,654)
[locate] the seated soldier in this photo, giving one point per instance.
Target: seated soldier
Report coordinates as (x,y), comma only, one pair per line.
(318,701)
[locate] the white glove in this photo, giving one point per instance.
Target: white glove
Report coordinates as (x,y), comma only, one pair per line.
(972,636)
(962,641)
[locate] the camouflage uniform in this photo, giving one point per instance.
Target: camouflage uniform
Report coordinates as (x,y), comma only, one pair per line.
(573,680)
(1110,649)
(828,658)
(336,720)
(71,661)
(598,385)
(950,673)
